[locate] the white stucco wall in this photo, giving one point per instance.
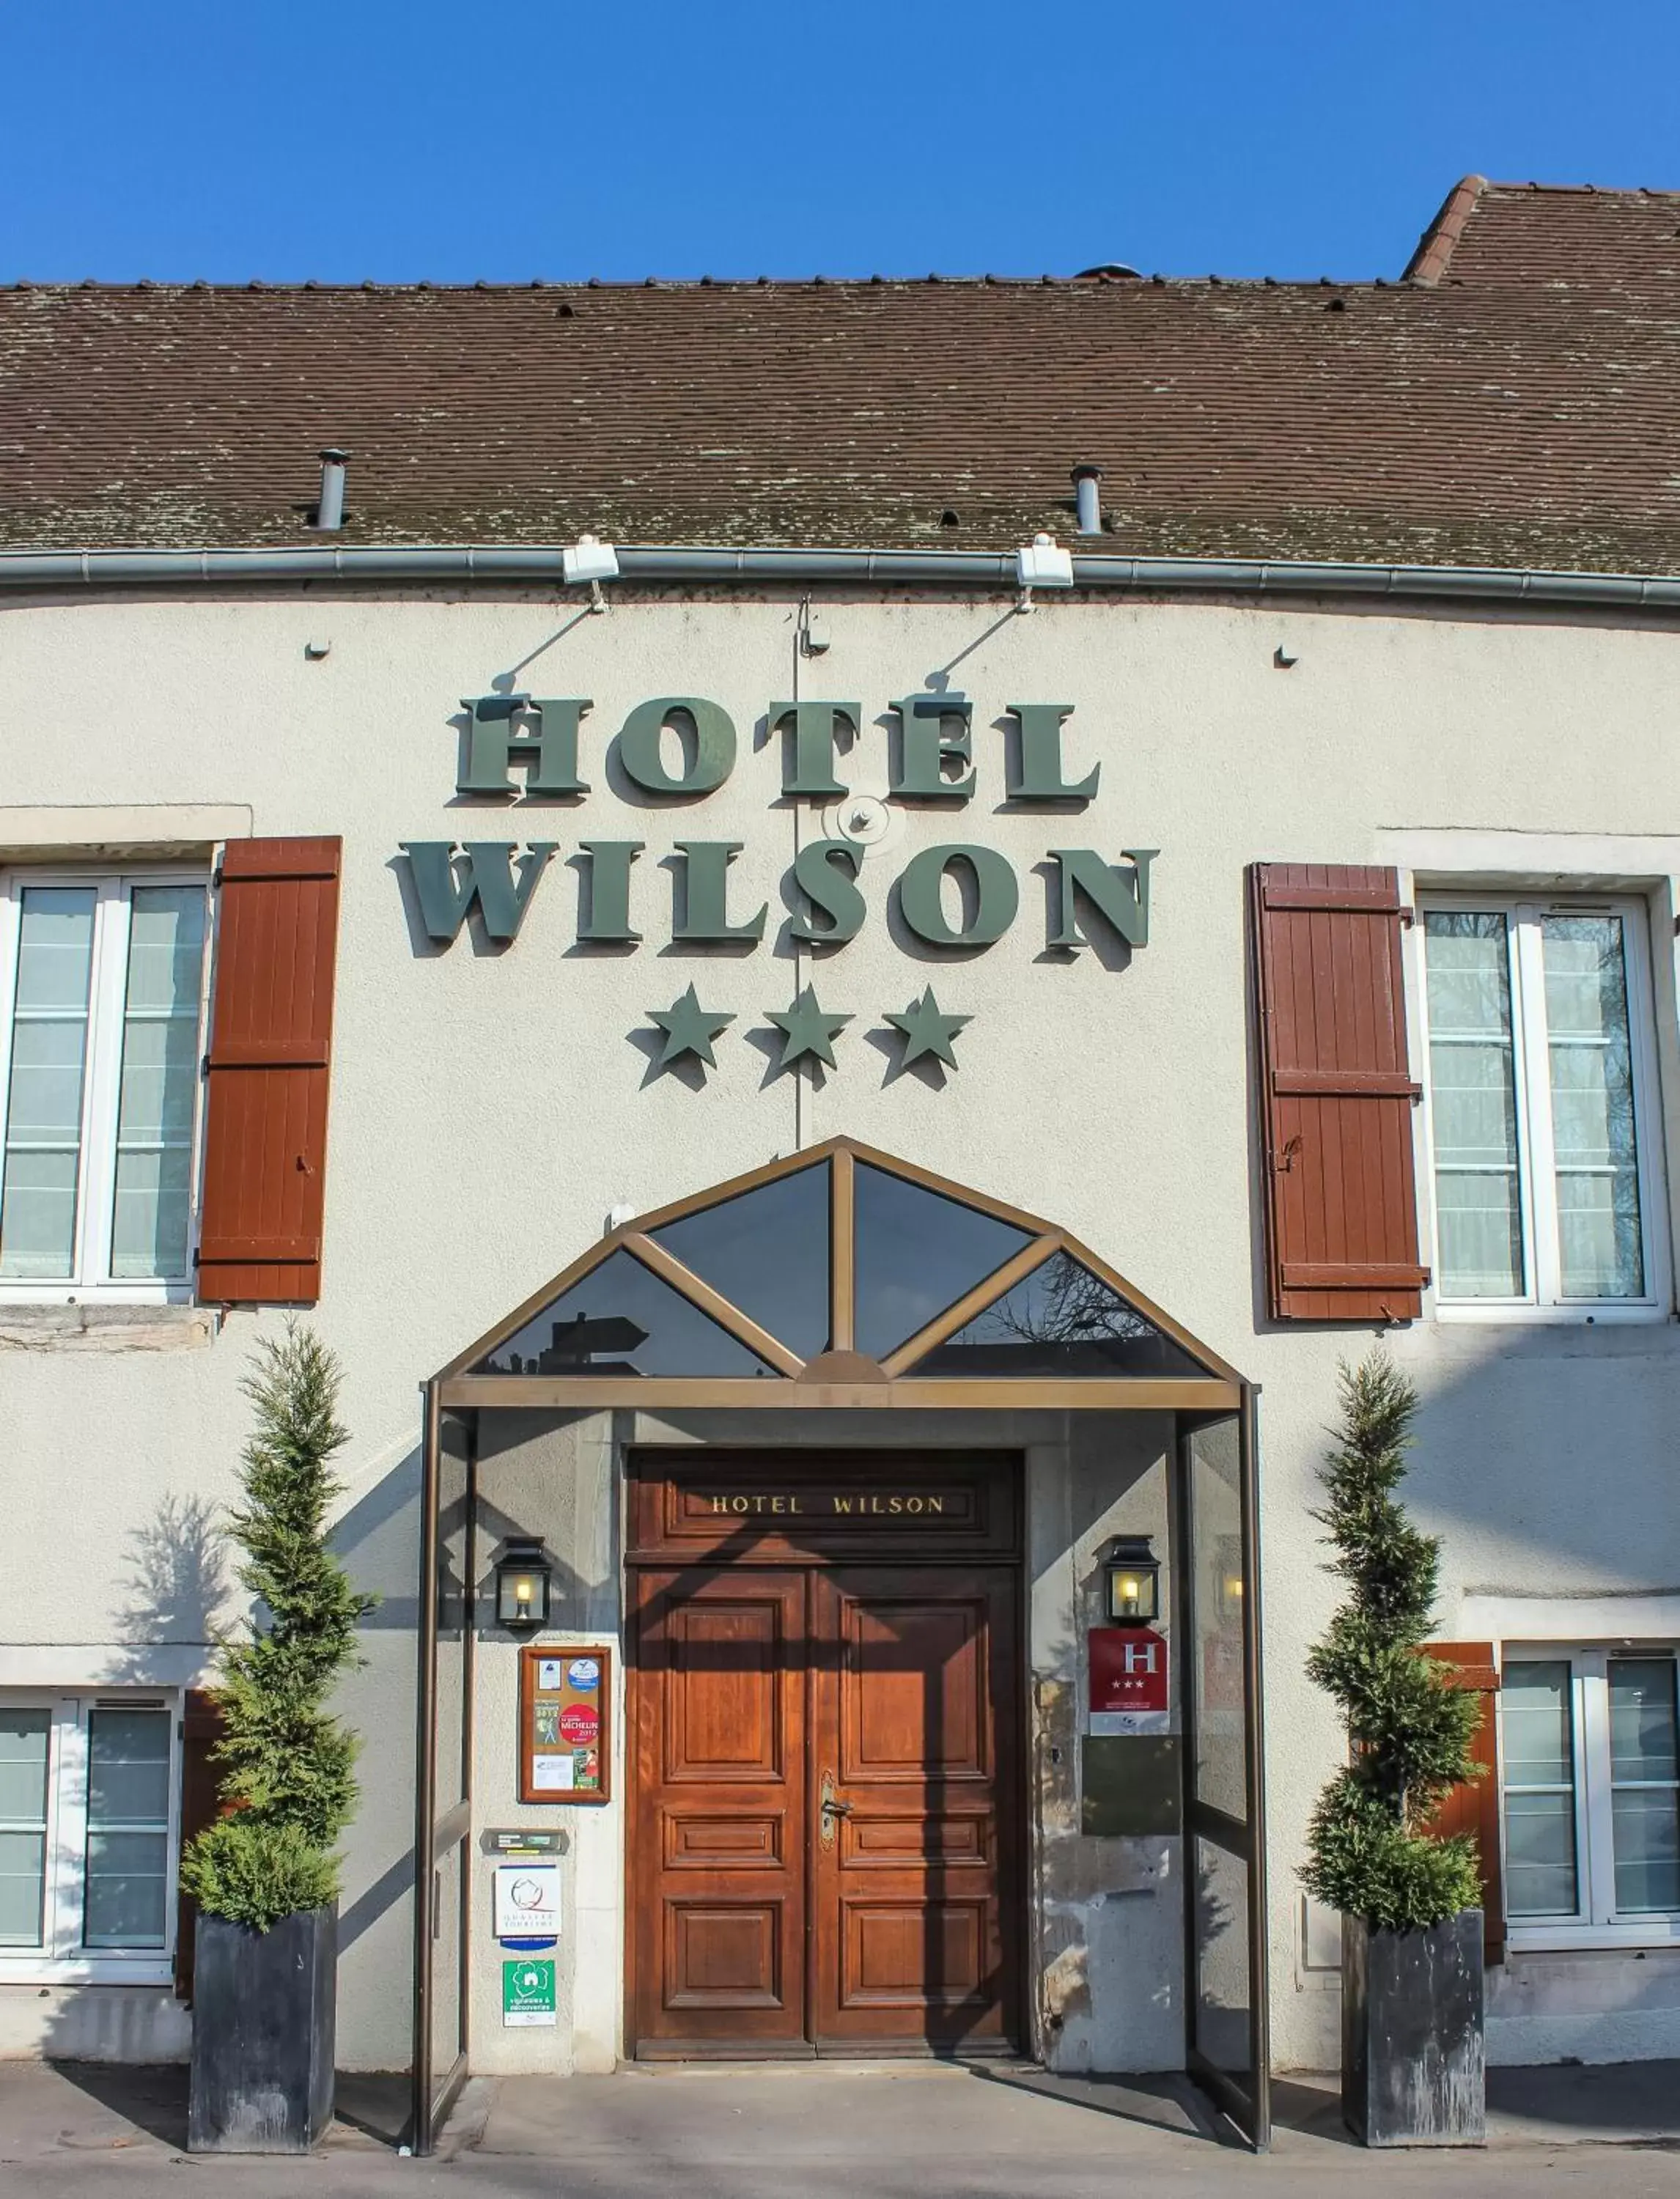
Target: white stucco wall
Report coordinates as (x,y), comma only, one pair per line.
(489,1107)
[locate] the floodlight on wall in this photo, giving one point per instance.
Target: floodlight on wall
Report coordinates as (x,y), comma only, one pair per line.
(585,563)
(1042,564)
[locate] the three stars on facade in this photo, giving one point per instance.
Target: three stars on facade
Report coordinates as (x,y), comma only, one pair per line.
(809,1030)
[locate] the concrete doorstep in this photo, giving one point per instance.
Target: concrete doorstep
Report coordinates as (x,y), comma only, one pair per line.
(889,2131)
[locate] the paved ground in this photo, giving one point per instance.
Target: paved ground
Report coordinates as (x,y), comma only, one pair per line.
(898,2131)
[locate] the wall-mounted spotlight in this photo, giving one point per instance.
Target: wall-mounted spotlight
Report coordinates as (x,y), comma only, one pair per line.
(1042,564)
(588,562)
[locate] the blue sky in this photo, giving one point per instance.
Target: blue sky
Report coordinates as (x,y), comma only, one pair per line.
(504,139)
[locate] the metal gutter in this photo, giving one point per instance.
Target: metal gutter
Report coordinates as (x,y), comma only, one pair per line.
(425,564)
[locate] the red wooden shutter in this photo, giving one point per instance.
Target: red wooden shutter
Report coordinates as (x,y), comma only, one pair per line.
(271,1034)
(1474,1807)
(201,1803)
(1336,1095)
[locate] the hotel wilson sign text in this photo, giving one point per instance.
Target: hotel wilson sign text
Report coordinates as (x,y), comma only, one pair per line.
(677,749)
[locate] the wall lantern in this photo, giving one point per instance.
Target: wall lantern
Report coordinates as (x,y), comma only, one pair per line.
(521,1585)
(1133,1574)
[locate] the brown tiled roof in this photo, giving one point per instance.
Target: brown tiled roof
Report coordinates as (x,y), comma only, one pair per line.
(1516,422)
(1542,235)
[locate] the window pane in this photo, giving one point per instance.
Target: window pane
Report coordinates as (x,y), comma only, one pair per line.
(1061,1320)
(128,1828)
(1540,1855)
(621,1320)
(159,1081)
(23,1824)
(1646,1816)
(917,1252)
(127,1889)
(1641,1718)
(1539,1749)
(1648,1849)
(1538,1721)
(1599,1236)
(44,1107)
(766,1251)
(1473,1101)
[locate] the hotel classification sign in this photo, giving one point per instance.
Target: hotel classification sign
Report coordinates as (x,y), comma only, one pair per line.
(519,743)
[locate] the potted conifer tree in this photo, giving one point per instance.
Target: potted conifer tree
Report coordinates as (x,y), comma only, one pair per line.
(263,1874)
(1412,2039)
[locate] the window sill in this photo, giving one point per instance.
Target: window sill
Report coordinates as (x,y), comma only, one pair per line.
(153,1971)
(1490,1314)
(1657,1934)
(92,1325)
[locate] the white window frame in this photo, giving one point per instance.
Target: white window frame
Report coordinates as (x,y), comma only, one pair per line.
(62,1959)
(102,1079)
(1595,1922)
(1543,1302)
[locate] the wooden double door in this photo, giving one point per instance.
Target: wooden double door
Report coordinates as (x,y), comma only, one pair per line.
(824,1815)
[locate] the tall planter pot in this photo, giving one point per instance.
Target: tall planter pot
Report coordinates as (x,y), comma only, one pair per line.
(1412,2061)
(264,2023)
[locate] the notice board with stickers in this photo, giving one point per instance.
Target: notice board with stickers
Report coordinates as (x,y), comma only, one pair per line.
(565,1720)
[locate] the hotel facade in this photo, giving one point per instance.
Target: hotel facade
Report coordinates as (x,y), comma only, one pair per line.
(841,1031)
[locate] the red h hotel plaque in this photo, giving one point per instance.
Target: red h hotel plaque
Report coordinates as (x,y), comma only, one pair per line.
(1128,1669)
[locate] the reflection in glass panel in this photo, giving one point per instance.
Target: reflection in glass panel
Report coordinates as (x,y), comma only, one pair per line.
(1537,1734)
(44,1107)
(1061,1320)
(917,1252)
(766,1251)
(621,1320)
(127,1828)
(1599,1240)
(23,1824)
(1472,1103)
(160,1081)
(1645,1784)
(1224,2032)
(1217,1603)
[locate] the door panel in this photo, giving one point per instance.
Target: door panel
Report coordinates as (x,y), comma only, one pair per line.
(719,1863)
(914,1722)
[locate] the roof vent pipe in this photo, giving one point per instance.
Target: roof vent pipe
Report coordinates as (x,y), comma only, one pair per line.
(1087,498)
(330,510)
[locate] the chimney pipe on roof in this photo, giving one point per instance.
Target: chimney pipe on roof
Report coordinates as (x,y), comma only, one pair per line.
(329,510)
(1087,498)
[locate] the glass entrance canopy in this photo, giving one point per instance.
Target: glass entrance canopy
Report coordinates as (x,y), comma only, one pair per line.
(839,1276)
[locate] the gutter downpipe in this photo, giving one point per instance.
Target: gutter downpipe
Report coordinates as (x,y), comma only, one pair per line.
(404,564)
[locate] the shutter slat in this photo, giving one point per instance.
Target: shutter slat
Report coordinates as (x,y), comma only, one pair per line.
(1474,1808)
(1336,1093)
(271,1046)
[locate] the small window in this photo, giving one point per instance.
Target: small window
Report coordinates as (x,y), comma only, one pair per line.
(89,1829)
(102,986)
(1540,1106)
(1591,1757)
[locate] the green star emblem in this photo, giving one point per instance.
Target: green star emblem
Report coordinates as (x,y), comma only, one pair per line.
(807,1029)
(688,1029)
(927,1031)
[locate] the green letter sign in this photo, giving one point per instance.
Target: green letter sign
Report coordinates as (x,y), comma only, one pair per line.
(445,895)
(996,896)
(713,757)
(499,724)
(815,727)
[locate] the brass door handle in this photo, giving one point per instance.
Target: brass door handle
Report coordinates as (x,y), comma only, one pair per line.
(831,1807)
